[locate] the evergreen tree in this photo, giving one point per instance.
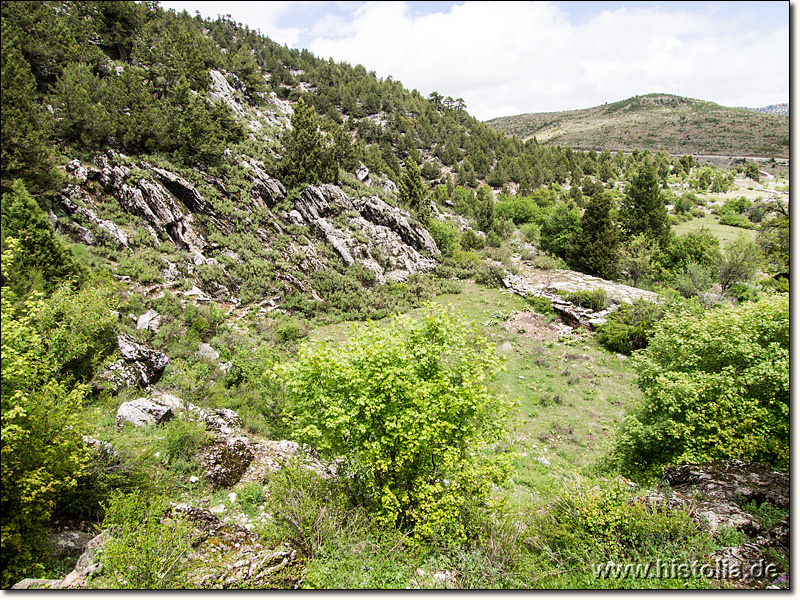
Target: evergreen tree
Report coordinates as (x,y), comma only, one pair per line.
(643,209)
(412,190)
(307,159)
(484,208)
(24,127)
(593,247)
(43,260)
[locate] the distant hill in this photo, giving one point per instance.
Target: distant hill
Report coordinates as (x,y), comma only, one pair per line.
(658,122)
(773,109)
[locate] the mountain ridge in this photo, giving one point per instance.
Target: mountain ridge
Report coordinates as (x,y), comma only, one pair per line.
(658,122)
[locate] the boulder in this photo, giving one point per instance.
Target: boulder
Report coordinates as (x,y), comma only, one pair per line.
(69,543)
(37,584)
(143,411)
(149,320)
(227,459)
(140,365)
(206,351)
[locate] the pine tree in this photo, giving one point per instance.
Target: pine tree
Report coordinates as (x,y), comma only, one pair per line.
(484,208)
(25,153)
(412,190)
(643,210)
(307,159)
(593,247)
(43,261)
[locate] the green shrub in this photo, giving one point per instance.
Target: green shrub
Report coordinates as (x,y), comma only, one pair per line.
(472,241)
(143,266)
(540,305)
(594,299)
(548,262)
(607,521)
(180,444)
(630,326)
(490,275)
(446,236)
(715,386)
(290,331)
(49,350)
(530,231)
(406,410)
(144,549)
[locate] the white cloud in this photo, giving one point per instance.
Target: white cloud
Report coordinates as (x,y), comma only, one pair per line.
(507,58)
(513,57)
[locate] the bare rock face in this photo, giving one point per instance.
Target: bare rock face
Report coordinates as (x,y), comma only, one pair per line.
(230,555)
(87,564)
(227,459)
(717,494)
(66,543)
(72,200)
(379,212)
(140,366)
(149,320)
(378,236)
(143,411)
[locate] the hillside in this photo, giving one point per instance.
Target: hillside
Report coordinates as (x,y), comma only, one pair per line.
(657,122)
(773,109)
(270,321)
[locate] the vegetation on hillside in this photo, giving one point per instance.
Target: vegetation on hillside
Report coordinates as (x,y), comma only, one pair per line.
(658,122)
(445,468)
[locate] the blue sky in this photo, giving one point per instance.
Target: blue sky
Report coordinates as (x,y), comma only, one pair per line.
(506,58)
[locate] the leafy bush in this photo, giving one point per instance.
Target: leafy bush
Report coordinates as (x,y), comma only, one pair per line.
(145,549)
(446,236)
(490,275)
(143,266)
(594,299)
(715,386)
(49,350)
(606,522)
(540,305)
(181,444)
(472,241)
(630,326)
(736,220)
(694,279)
(406,410)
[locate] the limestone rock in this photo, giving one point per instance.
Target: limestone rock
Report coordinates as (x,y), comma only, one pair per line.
(140,366)
(86,564)
(149,320)
(227,459)
(206,351)
(37,584)
(66,543)
(143,411)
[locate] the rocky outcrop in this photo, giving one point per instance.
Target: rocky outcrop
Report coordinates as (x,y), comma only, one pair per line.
(143,411)
(379,212)
(149,320)
(230,452)
(230,556)
(87,564)
(140,366)
(226,459)
(721,488)
(73,200)
(717,494)
(376,235)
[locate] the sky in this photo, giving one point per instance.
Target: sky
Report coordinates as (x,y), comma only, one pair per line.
(510,58)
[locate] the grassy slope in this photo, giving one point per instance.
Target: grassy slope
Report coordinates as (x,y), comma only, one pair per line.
(657,122)
(572,392)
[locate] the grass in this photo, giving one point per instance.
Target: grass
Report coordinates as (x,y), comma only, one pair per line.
(724,233)
(572,393)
